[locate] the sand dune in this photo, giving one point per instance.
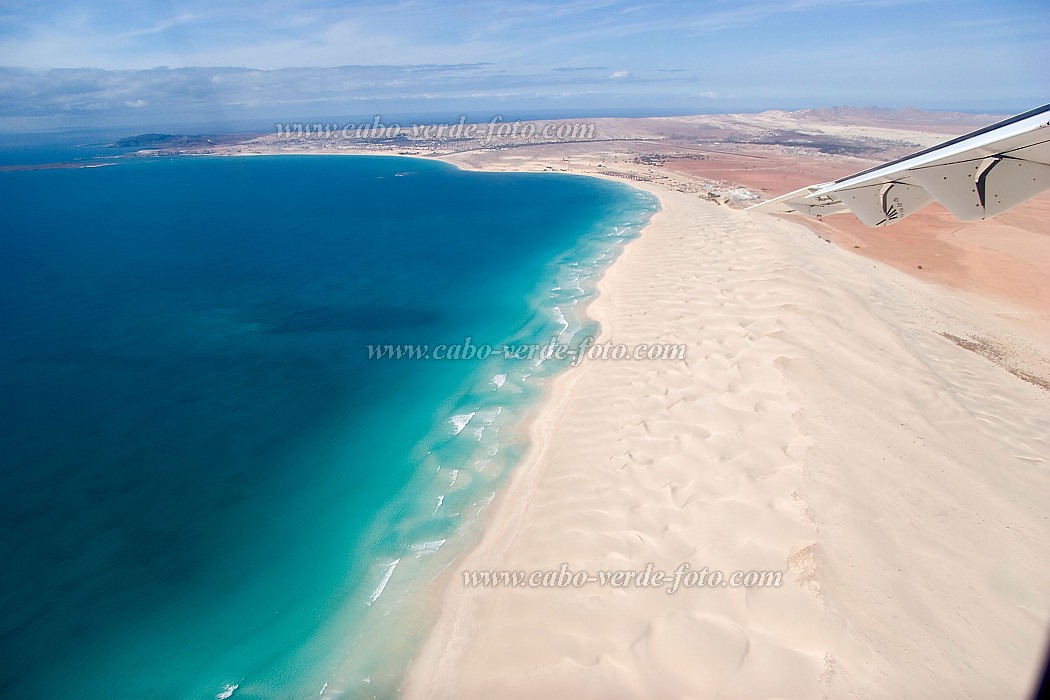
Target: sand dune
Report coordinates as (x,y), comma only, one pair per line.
(822,425)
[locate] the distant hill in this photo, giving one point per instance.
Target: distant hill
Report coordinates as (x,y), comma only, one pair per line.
(845,115)
(176,141)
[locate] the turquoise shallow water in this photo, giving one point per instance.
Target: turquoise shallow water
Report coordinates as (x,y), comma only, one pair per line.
(204,481)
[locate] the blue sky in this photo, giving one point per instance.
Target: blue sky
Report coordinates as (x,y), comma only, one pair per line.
(68,62)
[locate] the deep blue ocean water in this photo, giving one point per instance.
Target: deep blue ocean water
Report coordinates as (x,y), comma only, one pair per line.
(204,481)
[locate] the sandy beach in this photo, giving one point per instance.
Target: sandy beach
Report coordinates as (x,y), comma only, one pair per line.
(822,425)
(868,418)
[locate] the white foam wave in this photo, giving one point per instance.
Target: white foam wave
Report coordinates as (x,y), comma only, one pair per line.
(386,579)
(428,547)
(228,691)
(560,317)
(499,380)
(460,420)
(485,419)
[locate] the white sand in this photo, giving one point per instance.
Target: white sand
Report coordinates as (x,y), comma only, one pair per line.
(820,426)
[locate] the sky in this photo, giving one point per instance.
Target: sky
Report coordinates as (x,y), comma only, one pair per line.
(72,63)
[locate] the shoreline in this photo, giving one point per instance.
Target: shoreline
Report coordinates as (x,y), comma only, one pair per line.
(511,500)
(490,641)
(532,643)
(413,597)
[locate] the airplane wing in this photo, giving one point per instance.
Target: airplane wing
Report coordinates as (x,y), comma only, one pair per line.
(975,176)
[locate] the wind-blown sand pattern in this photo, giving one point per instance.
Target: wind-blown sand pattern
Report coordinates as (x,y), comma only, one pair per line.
(821,425)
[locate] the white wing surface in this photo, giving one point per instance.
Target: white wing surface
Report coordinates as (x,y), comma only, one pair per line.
(975,176)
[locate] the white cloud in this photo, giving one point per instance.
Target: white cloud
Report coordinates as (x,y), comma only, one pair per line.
(161,26)
(700,54)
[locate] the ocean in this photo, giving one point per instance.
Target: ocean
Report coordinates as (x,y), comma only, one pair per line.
(207,486)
